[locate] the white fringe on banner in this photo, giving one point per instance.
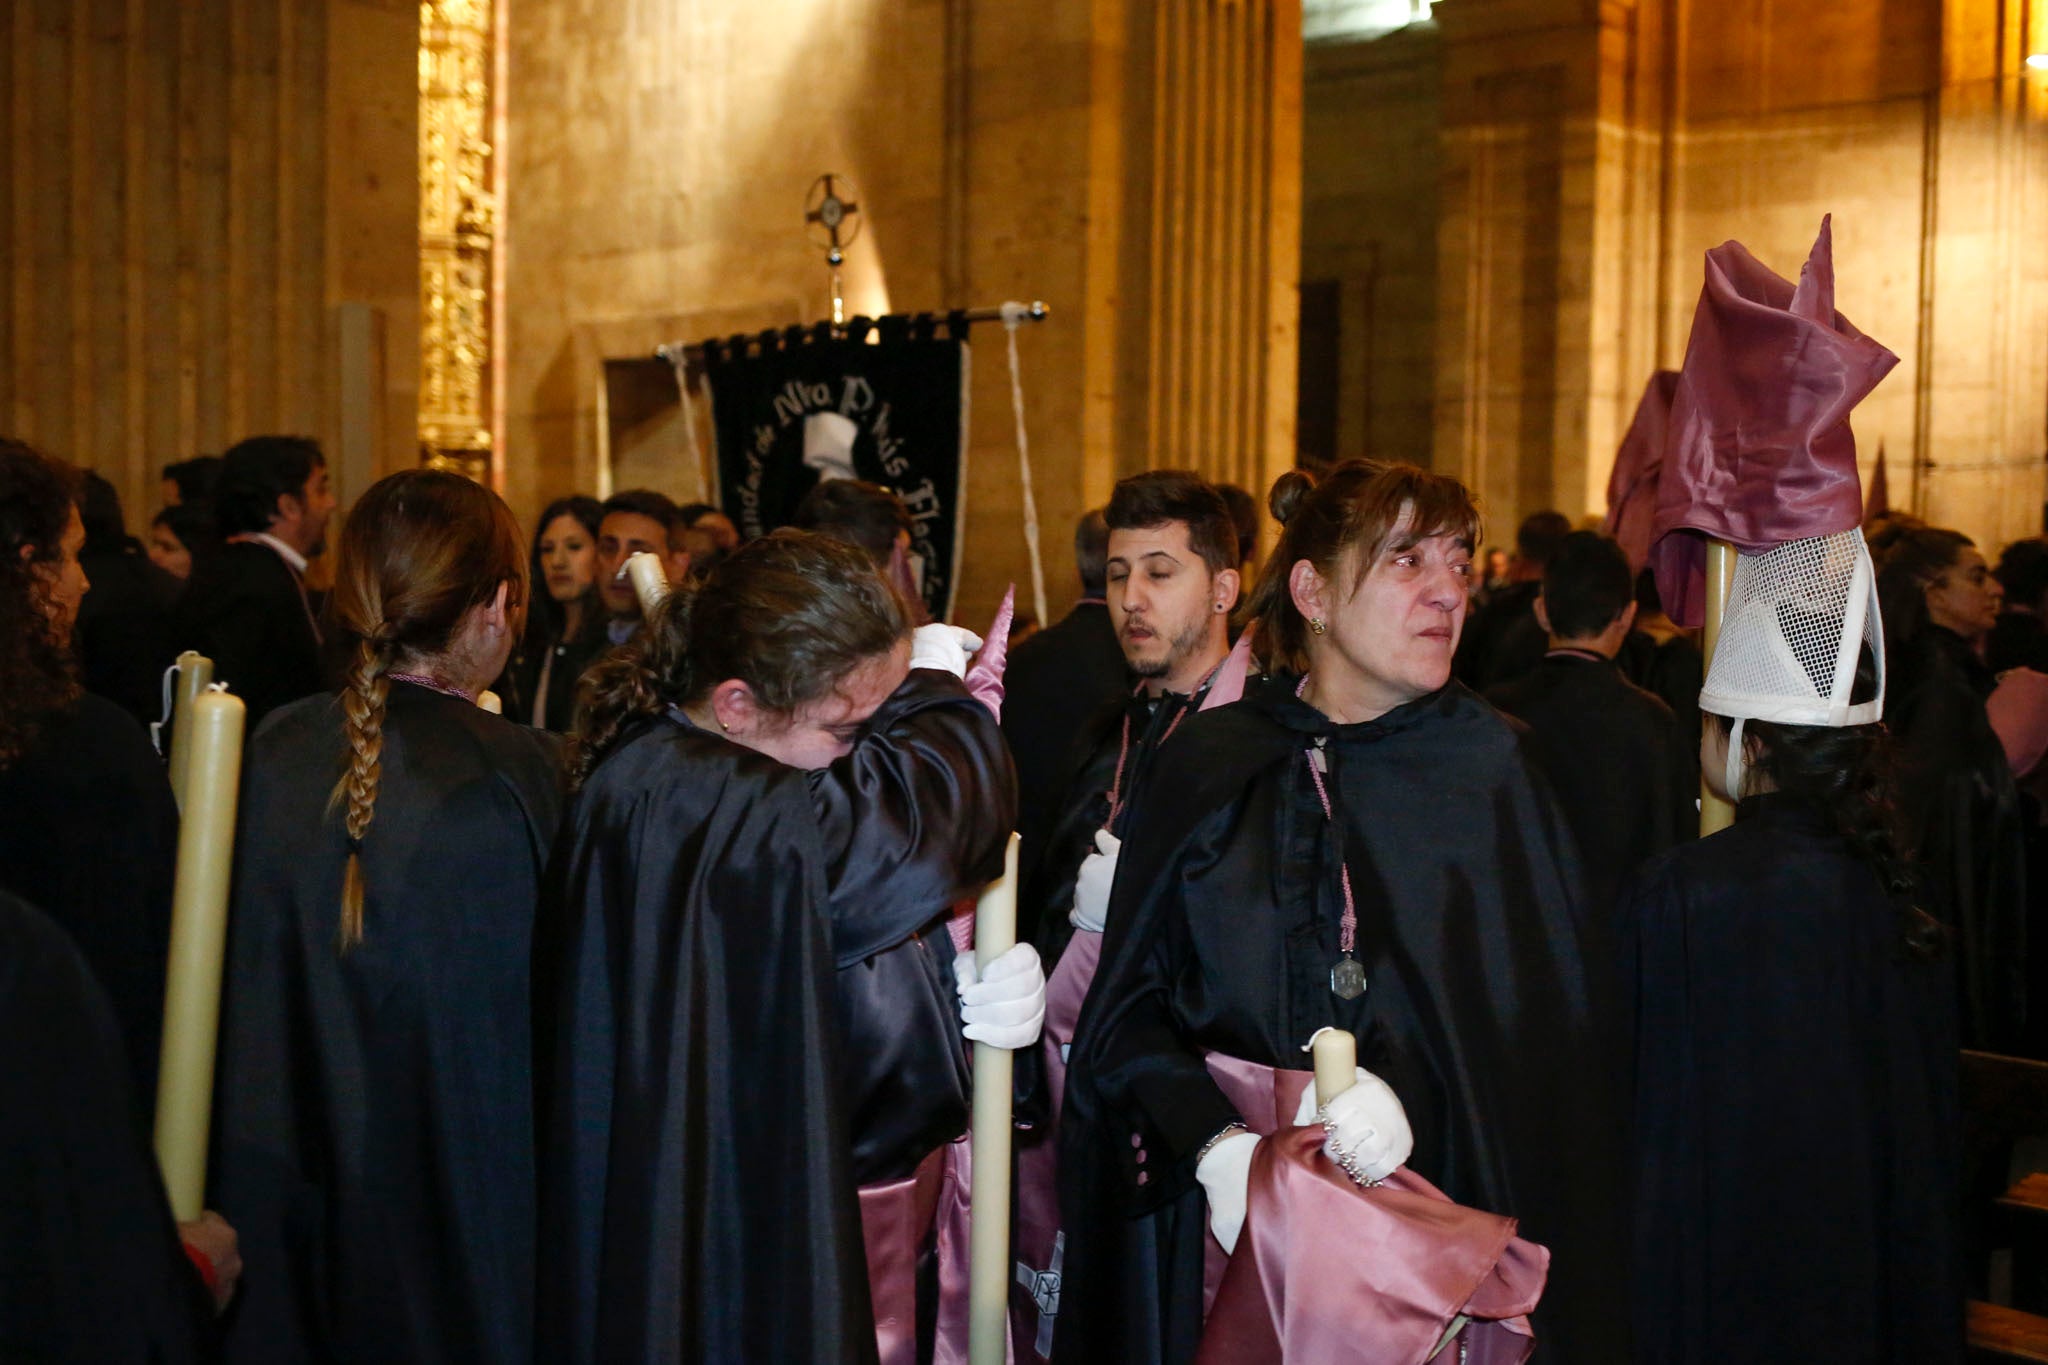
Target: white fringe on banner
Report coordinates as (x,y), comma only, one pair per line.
(1016,315)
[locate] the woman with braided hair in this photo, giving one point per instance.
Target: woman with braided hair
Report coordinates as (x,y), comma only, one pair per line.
(374,1127)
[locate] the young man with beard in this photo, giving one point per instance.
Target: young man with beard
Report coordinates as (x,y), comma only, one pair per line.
(1172,579)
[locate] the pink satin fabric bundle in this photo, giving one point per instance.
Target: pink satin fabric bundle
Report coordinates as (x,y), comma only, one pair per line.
(985,675)
(1758,450)
(896,1216)
(1328,1270)
(1632,487)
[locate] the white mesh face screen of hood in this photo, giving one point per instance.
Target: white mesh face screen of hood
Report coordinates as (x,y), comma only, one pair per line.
(1797,617)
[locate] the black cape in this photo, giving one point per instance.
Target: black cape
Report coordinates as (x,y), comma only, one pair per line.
(1670,670)
(373,1130)
(1051,867)
(1796,1145)
(247,611)
(123,637)
(90,1265)
(571,655)
(1055,682)
(1489,1009)
(1962,812)
(1502,639)
(89,835)
(697,1193)
(1625,776)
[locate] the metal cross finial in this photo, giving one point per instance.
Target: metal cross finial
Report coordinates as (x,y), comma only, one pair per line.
(831,209)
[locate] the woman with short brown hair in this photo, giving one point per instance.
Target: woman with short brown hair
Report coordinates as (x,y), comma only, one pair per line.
(375,1134)
(1358,843)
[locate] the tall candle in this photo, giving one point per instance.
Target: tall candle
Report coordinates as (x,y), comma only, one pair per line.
(195,674)
(488,700)
(1716,814)
(1336,1058)
(199,922)
(988,1266)
(650,580)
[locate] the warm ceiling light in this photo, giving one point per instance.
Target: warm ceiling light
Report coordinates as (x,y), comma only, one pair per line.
(2038,61)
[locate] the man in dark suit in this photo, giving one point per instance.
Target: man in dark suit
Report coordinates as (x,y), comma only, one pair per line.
(1057,679)
(248,609)
(1623,772)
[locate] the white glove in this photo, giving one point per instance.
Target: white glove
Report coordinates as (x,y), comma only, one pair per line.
(1091,886)
(1006,1007)
(1369,1123)
(1226,1176)
(946,648)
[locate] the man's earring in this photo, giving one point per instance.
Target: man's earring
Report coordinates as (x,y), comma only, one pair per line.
(1315,623)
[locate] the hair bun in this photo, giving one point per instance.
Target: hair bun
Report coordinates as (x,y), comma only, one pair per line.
(1290,491)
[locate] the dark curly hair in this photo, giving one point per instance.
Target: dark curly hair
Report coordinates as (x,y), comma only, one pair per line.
(790,615)
(38,677)
(1849,773)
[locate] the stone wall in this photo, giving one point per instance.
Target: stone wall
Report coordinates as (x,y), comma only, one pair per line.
(659,158)
(1588,155)
(208,228)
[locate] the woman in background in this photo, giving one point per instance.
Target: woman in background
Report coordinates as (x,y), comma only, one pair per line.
(1959,805)
(374,1129)
(565,628)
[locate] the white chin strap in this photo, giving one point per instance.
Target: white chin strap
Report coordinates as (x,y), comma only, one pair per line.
(1732,770)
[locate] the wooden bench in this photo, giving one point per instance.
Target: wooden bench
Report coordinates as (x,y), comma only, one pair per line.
(1997,1333)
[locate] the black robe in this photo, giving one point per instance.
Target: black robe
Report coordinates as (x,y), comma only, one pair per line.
(1797,1133)
(89,835)
(1056,681)
(566,659)
(246,610)
(1502,639)
(123,635)
(697,1188)
(1671,670)
(1624,774)
(373,1130)
(1489,1008)
(1051,867)
(1962,813)
(91,1270)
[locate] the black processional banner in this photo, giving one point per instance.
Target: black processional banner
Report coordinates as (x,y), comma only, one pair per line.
(791,409)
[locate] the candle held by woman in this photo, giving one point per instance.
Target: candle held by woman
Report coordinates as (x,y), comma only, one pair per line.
(199,918)
(988,1266)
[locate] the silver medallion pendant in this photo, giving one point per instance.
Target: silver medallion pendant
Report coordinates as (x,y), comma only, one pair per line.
(1347,978)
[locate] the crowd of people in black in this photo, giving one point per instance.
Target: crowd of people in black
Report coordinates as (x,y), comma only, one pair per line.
(632,1024)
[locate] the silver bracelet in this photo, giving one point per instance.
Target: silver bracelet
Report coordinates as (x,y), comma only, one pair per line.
(1347,1161)
(1225,1131)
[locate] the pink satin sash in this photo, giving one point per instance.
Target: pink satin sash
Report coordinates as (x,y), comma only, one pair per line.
(1328,1270)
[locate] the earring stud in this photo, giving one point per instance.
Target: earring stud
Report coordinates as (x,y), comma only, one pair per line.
(1315,623)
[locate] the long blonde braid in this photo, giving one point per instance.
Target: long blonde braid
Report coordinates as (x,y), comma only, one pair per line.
(420,549)
(362,708)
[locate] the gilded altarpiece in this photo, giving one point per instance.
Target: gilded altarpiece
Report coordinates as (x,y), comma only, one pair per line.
(458,217)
